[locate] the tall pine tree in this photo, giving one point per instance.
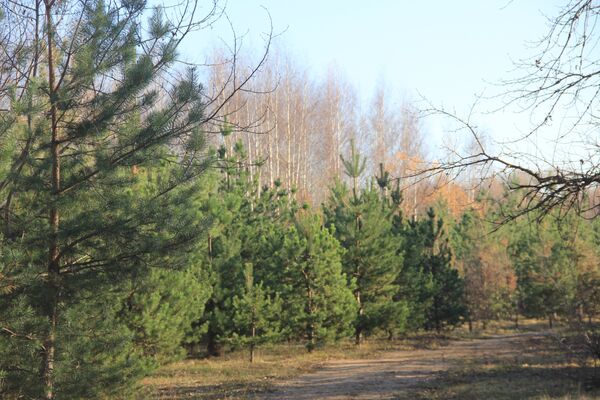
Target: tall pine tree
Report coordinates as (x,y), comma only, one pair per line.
(97,103)
(362,224)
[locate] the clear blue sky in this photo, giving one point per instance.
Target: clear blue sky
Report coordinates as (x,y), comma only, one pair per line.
(447,51)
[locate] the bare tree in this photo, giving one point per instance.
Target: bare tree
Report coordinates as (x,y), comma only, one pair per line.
(559,88)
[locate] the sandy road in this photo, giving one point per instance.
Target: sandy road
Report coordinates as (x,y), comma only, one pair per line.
(382,378)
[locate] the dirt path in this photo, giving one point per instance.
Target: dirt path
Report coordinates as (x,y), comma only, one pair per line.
(382,378)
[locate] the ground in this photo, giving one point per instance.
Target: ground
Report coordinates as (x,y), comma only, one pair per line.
(529,365)
(463,369)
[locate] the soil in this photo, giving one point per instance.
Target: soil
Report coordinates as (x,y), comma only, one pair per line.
(395,372)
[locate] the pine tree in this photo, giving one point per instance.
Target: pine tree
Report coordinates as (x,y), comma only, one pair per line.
(396,314)
(161,307)
(256,315)
(546,265)
(248,229)
(414,283)
(75,219)
(320,304)
(362,225)
(228,208)
(446,307)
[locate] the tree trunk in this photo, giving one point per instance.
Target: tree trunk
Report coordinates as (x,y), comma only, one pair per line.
(358,335)
(252,343)
(277,160)
(359,327)
(213,347)
(580,313)
(290,163)
(270,160)
(310,329)
(310,338)
(550,320)
(48,354)
(49,348)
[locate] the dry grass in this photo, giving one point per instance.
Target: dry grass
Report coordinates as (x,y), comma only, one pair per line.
(232,376)
(539,370)
(495,328)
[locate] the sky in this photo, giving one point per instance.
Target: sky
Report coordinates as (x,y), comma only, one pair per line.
(448,52)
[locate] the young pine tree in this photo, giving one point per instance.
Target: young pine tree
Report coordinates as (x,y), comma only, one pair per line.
(545,260)
(256,315)
(248,229)
(362,225)
(446,305)
(320,303)
(395,316)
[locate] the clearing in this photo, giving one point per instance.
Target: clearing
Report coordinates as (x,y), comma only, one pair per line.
(524,366)
(414,373)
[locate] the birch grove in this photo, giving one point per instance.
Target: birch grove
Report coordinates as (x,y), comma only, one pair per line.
(295,127)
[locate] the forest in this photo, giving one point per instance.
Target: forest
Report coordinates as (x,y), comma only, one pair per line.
(153,211)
